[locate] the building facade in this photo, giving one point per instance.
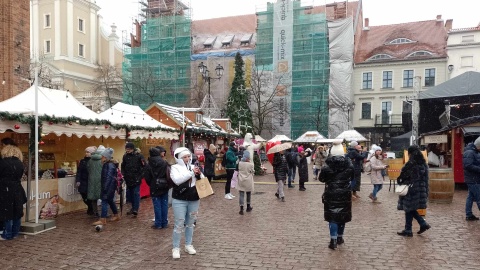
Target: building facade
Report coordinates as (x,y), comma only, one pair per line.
(68,41)
(463,49)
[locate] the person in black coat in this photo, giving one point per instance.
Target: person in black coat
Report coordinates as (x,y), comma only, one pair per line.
(12,194)
(132,167)
(337,197)
(81,180)
(280,170)
(415,174)
(210,158)
(471,171)
(302,165)
(357,155)
(156,178)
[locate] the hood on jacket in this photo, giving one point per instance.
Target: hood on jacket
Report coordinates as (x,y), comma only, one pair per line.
(179,153)
(471,146)
(335,162)
(153,151)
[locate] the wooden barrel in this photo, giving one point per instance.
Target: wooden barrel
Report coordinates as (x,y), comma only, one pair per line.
(441,185)
(394,167)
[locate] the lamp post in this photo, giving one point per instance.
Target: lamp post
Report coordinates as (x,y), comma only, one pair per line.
(347,107)
(206,77)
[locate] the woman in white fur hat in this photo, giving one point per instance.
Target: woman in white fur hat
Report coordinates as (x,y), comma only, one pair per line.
(376,174)
(185,200)
(337,198)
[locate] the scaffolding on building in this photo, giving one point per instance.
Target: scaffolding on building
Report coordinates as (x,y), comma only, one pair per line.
(157,56)
(308,100)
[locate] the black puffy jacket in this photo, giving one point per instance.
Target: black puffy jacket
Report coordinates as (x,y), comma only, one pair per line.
(471,164)
(303,166)
(280,168)
(356,157)
(337,198)
(416,175)
(109,180)
(156,168)
(209,168)
(12,194)
(132,168)
(82,175)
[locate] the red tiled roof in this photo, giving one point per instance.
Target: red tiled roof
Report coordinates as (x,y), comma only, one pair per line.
(429,36)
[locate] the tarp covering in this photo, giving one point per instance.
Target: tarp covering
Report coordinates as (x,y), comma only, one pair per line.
(465,84)
(400,142)
(309,137)
(206,55)
(125,114)
(341,69)
(351,135)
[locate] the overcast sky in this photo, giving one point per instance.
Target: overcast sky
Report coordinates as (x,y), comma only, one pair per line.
(465,13)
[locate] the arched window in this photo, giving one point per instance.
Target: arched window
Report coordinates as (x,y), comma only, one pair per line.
(420,53)
(401,41)
(381,56)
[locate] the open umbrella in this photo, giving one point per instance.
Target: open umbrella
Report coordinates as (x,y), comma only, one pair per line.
(258,138)
(279,147)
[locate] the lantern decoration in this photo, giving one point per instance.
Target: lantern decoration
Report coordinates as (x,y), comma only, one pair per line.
(16,126)
(41,143)
(106,126)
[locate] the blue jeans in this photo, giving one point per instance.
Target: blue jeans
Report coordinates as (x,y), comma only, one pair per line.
(160,208)
(336,229)
(409,216)
(106,204)
(473,196)
(11,228)
(133,196)
(185,213)
(376,189)
(291,174)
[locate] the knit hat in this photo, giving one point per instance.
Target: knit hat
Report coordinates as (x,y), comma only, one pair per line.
(477,142)
(337,149)
(300,149)
(377,148)
(212,148)
(181,152)
(107,153)
(246,155)
(91,149)
(353,143)
(100,149)
(129,145)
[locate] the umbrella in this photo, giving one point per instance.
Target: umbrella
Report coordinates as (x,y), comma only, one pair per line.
(280,138)
(279,147)
(258,138)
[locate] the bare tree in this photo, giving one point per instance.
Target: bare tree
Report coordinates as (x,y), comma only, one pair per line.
(46,77)
(198,93)
(108,84)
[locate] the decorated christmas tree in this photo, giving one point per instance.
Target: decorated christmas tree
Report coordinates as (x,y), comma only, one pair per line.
(257,164)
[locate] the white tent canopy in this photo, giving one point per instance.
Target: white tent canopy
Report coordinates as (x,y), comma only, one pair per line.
(125,114)
(351,135)
(280,138)
(309,137)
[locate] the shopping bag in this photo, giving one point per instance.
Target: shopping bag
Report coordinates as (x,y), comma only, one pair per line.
(234,180)
(204,189)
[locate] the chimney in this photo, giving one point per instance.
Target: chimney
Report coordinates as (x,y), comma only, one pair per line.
(448,25)
(439,18)
(366,26)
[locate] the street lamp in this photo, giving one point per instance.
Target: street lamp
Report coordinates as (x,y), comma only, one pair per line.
(347,107)
(206,77)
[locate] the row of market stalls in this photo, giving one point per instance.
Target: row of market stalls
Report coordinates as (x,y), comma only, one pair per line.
(66,127)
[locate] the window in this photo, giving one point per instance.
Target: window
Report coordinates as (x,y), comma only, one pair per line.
(80,25)
(229,126)
(367,80)
(81,50)
(430,77)
(209,42)
(227,41)
(47,47)
(46,22)
(387,79)
(379,57)
(182,73)
(245,40)
(419,54)
(366,110)
(386,112)
(401,41)
(199,118)
(408,78)
(468,38)
(467,61)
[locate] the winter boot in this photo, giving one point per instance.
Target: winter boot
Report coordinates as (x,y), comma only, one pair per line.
(249,208)
(340,240)
(283,199)
(241,210)
(115,217)
(101,221)
(333,244)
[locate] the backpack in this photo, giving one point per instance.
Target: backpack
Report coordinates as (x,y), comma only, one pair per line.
(224,160)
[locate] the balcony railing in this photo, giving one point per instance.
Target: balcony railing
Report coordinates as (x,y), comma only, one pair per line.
(393,119)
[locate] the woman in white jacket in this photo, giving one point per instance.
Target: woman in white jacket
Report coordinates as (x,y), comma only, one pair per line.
(376,173)
(185,200)
(245,181)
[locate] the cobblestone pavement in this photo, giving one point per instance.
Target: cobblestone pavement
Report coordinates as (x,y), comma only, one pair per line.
(275,235)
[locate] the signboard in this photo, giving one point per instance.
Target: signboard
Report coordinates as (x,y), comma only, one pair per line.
(219,169)
(198,147)
(436,139)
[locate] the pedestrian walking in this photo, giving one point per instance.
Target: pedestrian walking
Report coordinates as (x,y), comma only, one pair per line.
(185,200)
(337,197)
(303,168)
(291,157)
(280,170)
(210,158)
(231,166)
(94,167)
(471,171)
(356,154)
(156,179)
(81,179)
(109,187)
(132,167)
(376,175)
(415,174)
(318,161)
(245,181)
(12,194)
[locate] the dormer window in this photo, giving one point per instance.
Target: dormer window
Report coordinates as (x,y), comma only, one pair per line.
(381,56)
(420,53)
(229,126)
(227,41)
(208,44)
(401,41)
(199,118)
(246,39)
